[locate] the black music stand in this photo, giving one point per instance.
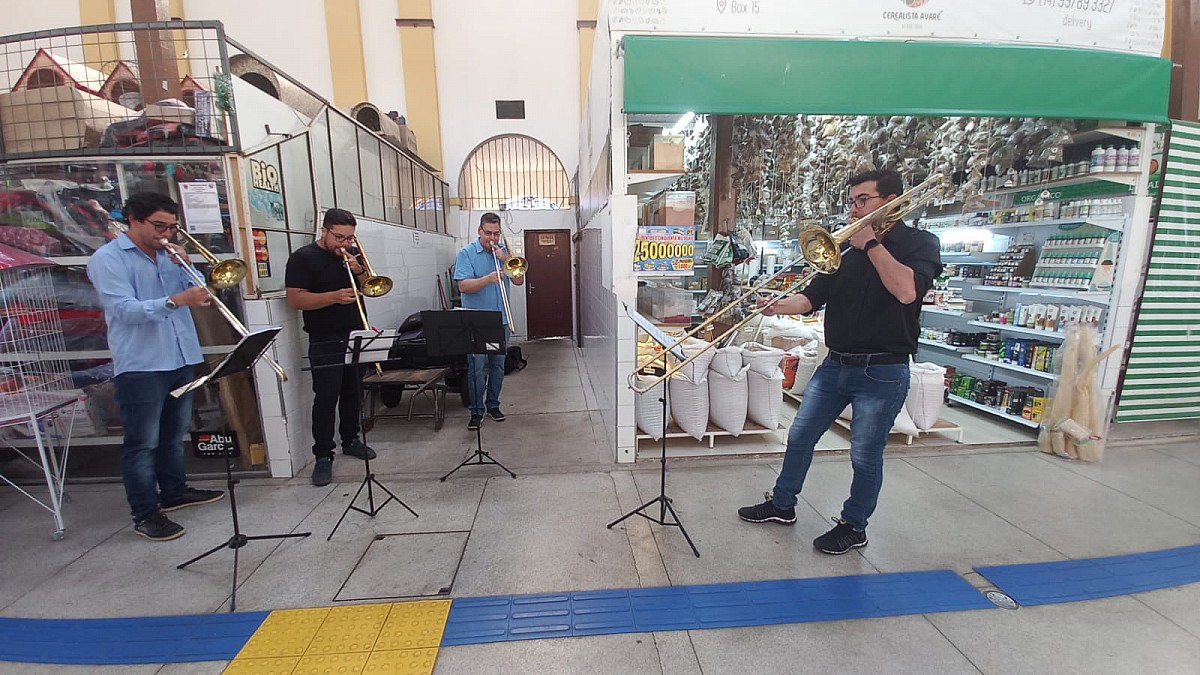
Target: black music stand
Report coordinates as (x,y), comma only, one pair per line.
(662,499)
(462,333)
(248,350)
(367,347)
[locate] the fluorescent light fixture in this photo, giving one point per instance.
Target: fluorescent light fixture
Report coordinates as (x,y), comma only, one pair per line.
(682,123)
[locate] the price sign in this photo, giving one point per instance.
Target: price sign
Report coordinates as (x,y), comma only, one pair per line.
(664,250)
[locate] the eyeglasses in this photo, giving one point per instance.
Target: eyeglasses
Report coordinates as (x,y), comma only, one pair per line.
(341,238)
(861,200)
(163,227)
(491,234)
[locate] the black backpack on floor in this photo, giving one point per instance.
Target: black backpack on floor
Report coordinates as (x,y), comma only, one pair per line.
(513,360)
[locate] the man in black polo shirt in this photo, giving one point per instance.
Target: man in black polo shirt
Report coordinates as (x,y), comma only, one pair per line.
(872,322)
(317,284)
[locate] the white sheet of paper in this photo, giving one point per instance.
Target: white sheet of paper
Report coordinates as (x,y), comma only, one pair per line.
(656,333)
(201,207)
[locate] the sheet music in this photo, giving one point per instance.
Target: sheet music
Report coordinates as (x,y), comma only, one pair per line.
(375,345)
(656,333)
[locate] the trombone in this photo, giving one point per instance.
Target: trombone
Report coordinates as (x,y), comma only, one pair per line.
(374,286)
(222,274)
(514,267)
(823,253)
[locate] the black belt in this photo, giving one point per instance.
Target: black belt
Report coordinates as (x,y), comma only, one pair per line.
(878,359)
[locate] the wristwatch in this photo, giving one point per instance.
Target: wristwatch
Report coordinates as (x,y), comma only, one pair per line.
(870,245)
(171,304)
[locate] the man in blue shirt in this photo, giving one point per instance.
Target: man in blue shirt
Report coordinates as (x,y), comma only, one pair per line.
(154,345)
(477,269)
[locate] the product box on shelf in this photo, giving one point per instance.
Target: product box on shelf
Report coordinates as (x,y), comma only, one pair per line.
(56,118)
(666,153)
(673,208)
(667,304)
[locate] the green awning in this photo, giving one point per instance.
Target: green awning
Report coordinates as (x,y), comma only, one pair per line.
(740,75)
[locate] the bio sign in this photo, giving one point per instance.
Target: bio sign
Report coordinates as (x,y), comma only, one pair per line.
(664,250)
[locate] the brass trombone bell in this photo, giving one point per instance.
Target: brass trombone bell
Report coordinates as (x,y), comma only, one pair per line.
(221,273)
(516,266)
(375,285)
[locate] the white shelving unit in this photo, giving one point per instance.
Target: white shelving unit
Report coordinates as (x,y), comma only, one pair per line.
(1011,366)
(993,411)
(1005,328)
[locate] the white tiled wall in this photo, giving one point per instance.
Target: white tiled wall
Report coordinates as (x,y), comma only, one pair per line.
(413,260)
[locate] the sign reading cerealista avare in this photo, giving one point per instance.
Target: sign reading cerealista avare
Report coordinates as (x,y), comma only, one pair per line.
(1118,25)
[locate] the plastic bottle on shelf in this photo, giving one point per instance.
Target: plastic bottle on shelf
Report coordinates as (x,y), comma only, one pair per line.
(1122,159)
(1110,159)
(1097,164)
(1135,158)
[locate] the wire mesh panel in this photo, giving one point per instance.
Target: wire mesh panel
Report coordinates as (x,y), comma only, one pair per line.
(119,88)
(34,376)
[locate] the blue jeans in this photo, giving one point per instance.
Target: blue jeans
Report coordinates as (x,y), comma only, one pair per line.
(877,393)
(154,423)
(486,377)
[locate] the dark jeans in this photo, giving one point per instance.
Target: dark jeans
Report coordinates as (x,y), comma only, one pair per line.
(154,423)
(877,393)
(335,391)
(486,377)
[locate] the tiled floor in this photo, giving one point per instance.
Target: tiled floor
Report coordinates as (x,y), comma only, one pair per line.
(943,506)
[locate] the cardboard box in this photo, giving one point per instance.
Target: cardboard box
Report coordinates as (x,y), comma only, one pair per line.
(641,136)
(56,118)
(673,208)
(666,153)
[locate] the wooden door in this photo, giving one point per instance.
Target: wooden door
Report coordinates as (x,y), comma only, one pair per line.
(548,283)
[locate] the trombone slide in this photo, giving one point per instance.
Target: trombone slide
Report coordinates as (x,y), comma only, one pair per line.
(226,313)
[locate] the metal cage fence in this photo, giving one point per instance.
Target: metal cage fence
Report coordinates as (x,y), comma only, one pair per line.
(134,88)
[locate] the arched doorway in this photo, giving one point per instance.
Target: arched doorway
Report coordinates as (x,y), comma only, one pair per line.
(516,175)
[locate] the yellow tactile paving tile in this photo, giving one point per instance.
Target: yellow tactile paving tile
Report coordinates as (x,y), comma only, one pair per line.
(400,637)
(414,625)
(332,664)
(349,629)
(269,666)
(285,632)
(402,662)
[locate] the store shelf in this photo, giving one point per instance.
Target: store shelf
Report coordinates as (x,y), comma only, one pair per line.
(1009,366)
(1049,335)
(943,345)
(1106,133)
(1107,222)
(1098,297)
(947,312)
(993,411)
(1129,178)
(711,433)
(649,182)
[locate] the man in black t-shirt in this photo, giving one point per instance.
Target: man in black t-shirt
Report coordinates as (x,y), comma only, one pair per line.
(872,322)
(318,284)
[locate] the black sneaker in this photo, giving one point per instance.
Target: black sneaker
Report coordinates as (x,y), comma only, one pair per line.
(840,539)
(767,512)
(192,497)
(358,449)
(322,471)
(476,420)
(158,527)
(495,414)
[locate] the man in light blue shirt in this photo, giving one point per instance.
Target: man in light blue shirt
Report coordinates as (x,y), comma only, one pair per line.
(477,272)
(153,339)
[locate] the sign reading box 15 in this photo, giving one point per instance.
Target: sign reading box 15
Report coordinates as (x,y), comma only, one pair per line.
(215,444)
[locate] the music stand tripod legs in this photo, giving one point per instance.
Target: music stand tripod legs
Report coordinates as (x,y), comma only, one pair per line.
(480,456)
(369,481)
(662,499)
(238,540)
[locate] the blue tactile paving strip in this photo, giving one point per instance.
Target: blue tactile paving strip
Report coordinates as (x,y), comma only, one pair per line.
(527,617)
(157,639)
(1073,580)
